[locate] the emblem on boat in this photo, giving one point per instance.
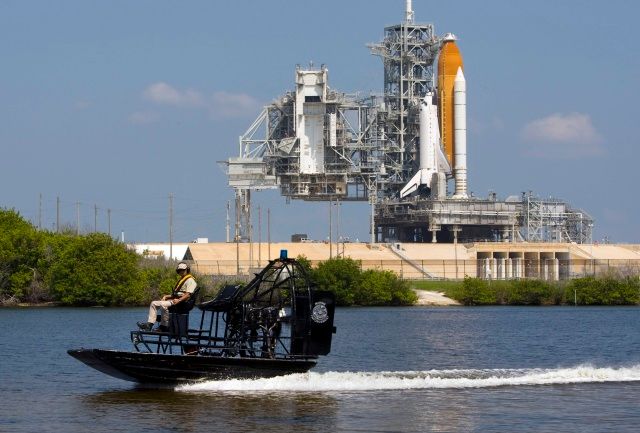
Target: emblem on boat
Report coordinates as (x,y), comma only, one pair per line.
(319,314)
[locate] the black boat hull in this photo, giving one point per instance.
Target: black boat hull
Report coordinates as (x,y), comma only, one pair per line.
(166,368)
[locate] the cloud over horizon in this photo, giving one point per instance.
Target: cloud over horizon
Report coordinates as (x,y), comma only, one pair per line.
(561,135)
(221,105)
(164,94)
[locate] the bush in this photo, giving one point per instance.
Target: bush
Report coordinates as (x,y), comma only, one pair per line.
(352,286)
(607,290)
(339,276)
(476,292)
(96,270)
(529,292)
(20,251)
(158,278)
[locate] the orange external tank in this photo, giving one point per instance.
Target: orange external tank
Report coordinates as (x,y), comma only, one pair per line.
(449,61)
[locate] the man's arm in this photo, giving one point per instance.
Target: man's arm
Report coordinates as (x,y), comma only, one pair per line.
(182,298)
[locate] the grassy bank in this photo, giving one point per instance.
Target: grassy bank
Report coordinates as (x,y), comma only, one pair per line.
(607,290)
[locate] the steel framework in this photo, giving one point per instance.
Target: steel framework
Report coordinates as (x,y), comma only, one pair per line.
(317,144)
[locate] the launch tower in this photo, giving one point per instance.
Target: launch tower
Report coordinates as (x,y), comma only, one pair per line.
(399,152)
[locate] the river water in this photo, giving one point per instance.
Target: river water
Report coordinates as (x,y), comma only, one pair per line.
(503,369)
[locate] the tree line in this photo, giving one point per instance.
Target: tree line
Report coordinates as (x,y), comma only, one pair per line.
(94,269)
(610,289)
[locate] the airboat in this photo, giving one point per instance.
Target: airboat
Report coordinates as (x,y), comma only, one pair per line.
(277,324)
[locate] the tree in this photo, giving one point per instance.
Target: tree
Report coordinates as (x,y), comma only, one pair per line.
(96,270)
(339,276)
(20,251)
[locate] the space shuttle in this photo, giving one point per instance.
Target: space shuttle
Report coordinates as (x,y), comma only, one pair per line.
(432,157)
(443,129)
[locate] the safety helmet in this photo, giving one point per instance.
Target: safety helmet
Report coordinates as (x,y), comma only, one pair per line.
(182,266)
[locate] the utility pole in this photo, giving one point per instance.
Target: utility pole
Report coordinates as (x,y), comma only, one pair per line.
(338,227)
(259,236)
(237,232)
(40,213)
(170,226)
(109,220)
(269,233)
(58,214)
(228,221)
(78,218)
(95,218)
(330,230)
(250,227)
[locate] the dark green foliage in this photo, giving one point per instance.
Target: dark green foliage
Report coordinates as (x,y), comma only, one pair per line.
(608,290)
(73,270)
(352,286)
(96,270)
(339,276)
(305,263)
(20,252)
(159,278)
(529,292)
(476,292)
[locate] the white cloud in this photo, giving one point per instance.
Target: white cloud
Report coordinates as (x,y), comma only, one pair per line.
(143,117)
(563,136)
(163,93)
(221,105)
(226,105)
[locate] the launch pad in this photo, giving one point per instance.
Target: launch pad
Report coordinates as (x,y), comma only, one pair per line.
(402,152)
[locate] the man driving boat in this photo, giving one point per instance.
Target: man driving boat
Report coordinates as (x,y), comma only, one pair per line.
(182,291)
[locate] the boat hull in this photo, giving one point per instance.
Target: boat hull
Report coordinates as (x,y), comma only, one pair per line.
(166,368)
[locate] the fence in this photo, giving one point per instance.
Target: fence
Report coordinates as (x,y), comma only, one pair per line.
(490,268)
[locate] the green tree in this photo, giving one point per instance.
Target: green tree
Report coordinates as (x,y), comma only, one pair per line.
(529,292)
(96,270)
(476,292)
(20,251)
(339,276)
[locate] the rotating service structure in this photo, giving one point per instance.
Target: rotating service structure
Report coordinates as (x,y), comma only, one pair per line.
(405,151)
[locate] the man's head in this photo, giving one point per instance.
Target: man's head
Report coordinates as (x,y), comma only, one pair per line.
(182,268)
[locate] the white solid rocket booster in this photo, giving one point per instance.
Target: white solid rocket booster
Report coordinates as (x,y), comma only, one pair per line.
(460,134)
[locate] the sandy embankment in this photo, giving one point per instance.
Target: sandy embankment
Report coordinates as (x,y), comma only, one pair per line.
(426,297)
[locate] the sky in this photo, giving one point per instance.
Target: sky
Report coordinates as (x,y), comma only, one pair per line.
(115,105)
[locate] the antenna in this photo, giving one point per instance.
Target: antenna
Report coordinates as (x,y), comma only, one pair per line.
(409,12)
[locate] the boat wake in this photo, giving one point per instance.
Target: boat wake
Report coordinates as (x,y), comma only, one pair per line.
(429,379)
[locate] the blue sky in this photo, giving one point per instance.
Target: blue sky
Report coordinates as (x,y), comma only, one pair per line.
(119,103)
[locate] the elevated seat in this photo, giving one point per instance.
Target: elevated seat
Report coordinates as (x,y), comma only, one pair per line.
(223,299)
(179,315)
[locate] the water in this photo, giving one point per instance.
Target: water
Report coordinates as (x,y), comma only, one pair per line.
(392,369)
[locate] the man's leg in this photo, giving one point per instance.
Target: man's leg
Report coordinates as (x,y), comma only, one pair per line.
(153,312)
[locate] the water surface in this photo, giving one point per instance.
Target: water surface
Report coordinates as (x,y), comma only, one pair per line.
(391,369)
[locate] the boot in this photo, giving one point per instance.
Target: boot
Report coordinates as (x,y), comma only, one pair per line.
(145,326)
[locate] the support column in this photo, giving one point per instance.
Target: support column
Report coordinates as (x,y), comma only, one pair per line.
(433,228)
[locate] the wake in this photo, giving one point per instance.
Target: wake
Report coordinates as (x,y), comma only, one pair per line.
(429,379)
